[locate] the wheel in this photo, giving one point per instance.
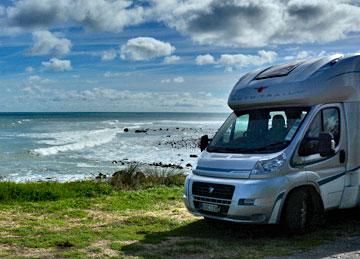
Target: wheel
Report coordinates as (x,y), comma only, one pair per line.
(300,211)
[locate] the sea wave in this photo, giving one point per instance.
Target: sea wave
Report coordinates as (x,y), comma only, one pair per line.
(75,140)
(122,123)
(199,122)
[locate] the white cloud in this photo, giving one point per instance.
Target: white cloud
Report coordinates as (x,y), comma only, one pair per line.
(244,23)
(230,61)
(241,60)
(34,78)
(57,64)
(204,59)
(108,55)
(34,84)
(179,80)
(250,23)
(145,48)
(29,69)
(100,15)
(47,43)
(109,74)
(301,55)
(38,79)
(134,100)
(165,81)
(171,59)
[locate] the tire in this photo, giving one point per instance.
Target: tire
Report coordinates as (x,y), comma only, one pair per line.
(299,211)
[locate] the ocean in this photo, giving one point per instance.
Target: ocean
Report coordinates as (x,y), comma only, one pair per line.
(74,146)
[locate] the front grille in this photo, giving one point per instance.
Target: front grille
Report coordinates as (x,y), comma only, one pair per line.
(212,200)
(213,190)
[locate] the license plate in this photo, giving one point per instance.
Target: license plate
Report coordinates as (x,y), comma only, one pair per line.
(210,207)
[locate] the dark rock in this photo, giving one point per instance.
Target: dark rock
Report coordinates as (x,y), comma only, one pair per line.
(188,165)
(100,176)
(114,162)
(126,130)
(63,244)
(140,131)
(193,156)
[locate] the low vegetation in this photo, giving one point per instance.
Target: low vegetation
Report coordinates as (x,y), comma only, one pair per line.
(136,176)
(138,218)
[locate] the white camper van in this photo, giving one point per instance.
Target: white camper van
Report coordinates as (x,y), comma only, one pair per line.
(290,149)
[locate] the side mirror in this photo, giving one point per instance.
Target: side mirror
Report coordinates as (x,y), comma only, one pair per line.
(326,144)
(204,142)
(323,145)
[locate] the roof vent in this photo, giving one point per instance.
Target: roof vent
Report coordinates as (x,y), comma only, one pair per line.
(277,71)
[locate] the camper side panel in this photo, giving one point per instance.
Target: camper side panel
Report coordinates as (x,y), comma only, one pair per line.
(351,195)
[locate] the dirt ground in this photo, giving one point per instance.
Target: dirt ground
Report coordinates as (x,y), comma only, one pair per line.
(340,248)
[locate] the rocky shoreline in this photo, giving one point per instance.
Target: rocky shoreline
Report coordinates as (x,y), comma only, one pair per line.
(176,142)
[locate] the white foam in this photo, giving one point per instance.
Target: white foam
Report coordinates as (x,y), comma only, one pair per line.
(131,123)
(75,140)
(200,122)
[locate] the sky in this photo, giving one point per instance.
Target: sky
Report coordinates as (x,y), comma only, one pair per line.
(156,55)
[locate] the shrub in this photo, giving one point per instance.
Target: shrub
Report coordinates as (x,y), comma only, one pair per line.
(135,176)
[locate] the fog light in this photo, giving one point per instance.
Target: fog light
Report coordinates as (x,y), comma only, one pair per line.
(246,202)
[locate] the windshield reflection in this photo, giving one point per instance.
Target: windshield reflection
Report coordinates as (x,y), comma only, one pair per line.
(258,130)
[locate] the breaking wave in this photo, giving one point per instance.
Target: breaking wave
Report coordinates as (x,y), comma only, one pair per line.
(74,140)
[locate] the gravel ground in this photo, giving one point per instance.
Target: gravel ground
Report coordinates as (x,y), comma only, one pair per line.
(341,248)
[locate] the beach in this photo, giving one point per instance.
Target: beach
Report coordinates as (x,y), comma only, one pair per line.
(76,146)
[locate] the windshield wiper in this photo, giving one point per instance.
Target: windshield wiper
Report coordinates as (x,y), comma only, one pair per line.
(247,150)
(272,146)
(227,149)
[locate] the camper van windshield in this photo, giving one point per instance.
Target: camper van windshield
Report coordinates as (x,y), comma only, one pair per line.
(258,130)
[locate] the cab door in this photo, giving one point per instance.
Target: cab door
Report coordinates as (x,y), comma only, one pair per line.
(330,170)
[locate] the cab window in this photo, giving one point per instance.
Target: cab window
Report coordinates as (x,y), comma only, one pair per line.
(327,121)
(253,131)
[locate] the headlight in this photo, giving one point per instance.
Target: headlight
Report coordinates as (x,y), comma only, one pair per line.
(268,166)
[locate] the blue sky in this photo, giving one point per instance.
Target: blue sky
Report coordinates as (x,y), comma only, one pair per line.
(156,55)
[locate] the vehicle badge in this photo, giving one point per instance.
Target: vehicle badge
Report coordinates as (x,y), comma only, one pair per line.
(211,190)
(260,89)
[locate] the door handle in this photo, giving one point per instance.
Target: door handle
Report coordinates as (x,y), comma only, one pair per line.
(342,156)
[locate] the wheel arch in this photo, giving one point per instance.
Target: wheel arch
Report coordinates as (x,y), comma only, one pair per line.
(311,187)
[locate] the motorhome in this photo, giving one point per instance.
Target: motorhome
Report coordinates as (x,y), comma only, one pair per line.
(290,149)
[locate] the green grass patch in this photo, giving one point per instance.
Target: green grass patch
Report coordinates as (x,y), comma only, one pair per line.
(99,219)
(51,191)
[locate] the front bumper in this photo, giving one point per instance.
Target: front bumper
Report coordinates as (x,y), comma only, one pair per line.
(263,199)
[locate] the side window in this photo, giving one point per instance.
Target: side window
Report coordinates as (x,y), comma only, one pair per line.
(327,120)
(315,127)
(332,123)
(241,126)
(237,130)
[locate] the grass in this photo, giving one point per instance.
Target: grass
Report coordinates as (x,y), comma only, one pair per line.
(51,191)
(99,219)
